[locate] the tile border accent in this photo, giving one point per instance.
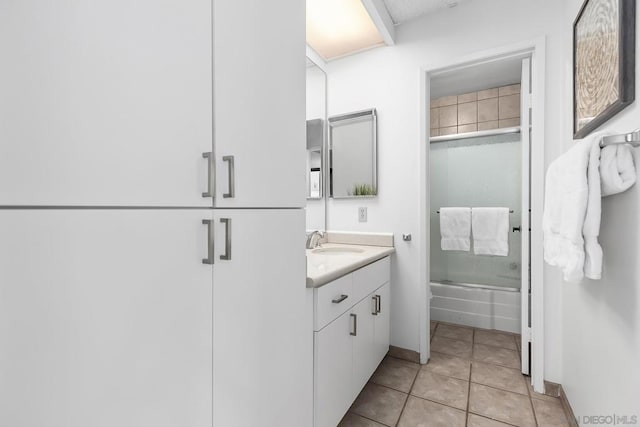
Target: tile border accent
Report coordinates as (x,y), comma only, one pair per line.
(404,354)
(568,410)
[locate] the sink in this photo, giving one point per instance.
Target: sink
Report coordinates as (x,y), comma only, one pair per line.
(337,251)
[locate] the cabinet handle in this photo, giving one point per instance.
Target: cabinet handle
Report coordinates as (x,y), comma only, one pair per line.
(355,325)
(227,239)
(210,242)
(232,174)
(378,303)
(338,300)
(211,171)
(375,305)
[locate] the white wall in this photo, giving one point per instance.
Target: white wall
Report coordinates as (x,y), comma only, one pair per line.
(388,79)
(601,319)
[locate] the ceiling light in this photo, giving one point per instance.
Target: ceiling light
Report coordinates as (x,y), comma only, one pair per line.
(339,27)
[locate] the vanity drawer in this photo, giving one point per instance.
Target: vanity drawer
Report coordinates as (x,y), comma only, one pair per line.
(330,301)
(371,277)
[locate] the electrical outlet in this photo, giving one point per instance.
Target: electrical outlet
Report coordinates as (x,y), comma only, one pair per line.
(362,214)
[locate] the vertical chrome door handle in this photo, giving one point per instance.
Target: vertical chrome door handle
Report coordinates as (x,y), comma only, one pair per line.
(375,305)
(211,171)
(210,242)
(378,304)
(355,325)
(232,174)
(227,239)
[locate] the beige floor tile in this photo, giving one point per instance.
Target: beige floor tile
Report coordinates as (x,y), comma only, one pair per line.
(455,332)
(496,355)
(501,405)
(395,373)
(446,390)
(499,377)
(495,339)
(423,413)
(380,404)
(478,421)
(451,366)
(453,347)
(353,420)
(550,413)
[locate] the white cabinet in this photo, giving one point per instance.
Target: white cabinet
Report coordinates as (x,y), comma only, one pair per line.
(105,319)
(333,366)
(351,337)
(259,86)
(263,352)
(113,103)
(382,320)
(105,102)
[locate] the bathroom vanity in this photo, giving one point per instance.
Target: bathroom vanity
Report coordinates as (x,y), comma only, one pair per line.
(351,309)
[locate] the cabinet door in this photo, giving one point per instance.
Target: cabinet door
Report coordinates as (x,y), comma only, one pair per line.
(263,339)
(364,348)
(105,102)
(259,111)
(382,321)
(333,362)
(105,318)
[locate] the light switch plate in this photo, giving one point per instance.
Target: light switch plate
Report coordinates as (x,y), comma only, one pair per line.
(362,214)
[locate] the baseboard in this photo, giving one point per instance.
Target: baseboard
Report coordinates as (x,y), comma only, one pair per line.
(573,422)
(403,353)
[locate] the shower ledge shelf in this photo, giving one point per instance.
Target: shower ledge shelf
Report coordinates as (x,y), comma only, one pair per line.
(491,132)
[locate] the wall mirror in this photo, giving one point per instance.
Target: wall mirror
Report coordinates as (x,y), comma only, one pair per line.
(353,155)
(316,145)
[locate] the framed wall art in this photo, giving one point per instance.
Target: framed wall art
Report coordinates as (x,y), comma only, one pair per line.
(603,62)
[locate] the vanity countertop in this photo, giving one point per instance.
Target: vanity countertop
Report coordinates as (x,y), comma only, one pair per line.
(333,260)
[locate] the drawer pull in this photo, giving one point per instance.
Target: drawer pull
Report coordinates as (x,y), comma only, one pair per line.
(355,325)
(378,303)
(375,305)
(339,299)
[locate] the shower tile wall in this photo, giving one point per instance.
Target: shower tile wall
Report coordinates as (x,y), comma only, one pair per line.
(483,110)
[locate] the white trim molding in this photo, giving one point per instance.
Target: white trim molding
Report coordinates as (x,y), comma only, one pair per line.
(381,19)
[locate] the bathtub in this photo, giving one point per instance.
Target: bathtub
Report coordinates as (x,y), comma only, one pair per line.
(481,306)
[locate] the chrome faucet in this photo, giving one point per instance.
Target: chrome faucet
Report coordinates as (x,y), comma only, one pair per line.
(311,243)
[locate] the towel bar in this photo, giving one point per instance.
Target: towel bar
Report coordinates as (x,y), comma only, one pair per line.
(510,211)
(632,138)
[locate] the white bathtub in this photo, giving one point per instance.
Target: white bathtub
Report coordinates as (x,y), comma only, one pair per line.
(477,306)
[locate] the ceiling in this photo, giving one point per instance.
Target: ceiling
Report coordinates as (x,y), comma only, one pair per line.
(405,10)
(482,76)
(336,28)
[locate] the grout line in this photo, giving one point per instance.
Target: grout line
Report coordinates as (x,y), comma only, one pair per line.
(436,402)
(466,415)
(535,418)
(493,419)
(367,418)
(408,394)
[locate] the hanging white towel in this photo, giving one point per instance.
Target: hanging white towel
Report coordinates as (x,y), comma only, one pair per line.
(455,229)
(571,218)
(490,231)
(575,183)
(617,171)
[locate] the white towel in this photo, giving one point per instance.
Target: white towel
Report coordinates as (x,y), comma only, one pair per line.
(575,183)
(572,211)
(490,231)
(617,171)
(455,229)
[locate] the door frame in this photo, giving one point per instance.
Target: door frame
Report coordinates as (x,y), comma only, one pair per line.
(535,48)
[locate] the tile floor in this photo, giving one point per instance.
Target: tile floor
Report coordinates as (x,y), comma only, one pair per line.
(473,379)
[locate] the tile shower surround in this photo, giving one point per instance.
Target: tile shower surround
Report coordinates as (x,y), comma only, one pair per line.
(472,379)
(483,110)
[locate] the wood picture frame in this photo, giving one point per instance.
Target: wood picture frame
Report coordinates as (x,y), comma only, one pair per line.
(603,62)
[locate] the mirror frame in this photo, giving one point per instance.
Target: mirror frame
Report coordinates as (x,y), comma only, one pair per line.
(324,163)
(343,119)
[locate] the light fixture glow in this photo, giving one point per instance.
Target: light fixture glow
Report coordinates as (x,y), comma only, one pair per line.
(338,27)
